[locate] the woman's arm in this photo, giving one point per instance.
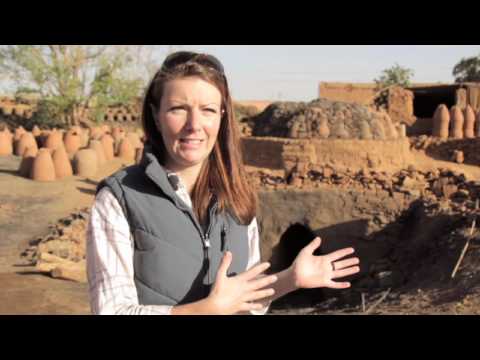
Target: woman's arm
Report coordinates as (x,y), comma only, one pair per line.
(110,262)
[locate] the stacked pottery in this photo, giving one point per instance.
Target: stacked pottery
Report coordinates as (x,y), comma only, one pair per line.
(468,128)
(134,139)
(18,133)
(95,133)
(477,125)
(85,163)
(6,147)
(107,143)
(54,140)
(26,141)
(118,135)
(72,142)
(126,151)
(36,131)
(27,161)
(457,121)
(43,168)
(98,147)
(61,162)
(441,122)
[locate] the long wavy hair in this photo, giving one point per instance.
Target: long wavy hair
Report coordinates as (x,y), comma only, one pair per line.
(223,174)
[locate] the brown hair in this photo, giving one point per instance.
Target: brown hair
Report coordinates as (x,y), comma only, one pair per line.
(223,174)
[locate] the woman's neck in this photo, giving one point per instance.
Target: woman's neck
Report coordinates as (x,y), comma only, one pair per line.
(188,175)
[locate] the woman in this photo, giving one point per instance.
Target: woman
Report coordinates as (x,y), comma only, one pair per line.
(177,234)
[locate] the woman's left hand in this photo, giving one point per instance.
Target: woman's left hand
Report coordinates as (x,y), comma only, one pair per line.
(310,271)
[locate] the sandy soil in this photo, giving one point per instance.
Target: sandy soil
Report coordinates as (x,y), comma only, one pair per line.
(27,208)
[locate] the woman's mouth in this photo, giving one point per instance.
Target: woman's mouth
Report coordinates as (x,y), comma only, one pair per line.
(191,143)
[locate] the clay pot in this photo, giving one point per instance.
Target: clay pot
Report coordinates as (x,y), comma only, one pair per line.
(54,140)
(26,141)
(106,129)
(98,147)
(126,151)
(18,133)
(134,140)
(43,168)
(441,122)
(118,133)
(85,163)
(36,131)
(61,161)
(468,127)
(96,133)
(6,147)
(108,146)
(457,122)
(29,156)
(365,132)
(477,125)
(324,130)
(7,110)
(72,142)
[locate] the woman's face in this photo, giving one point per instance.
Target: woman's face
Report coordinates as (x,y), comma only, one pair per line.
(189,120)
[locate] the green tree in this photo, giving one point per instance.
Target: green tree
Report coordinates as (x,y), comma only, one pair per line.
(72,78)
(396,75)
(467,70)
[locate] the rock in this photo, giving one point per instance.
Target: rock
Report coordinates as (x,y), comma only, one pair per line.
(448,190)
(458,156)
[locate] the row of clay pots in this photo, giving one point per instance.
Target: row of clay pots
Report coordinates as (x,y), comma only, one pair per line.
(456,124)
(37,165)
(73,140)
(45,164)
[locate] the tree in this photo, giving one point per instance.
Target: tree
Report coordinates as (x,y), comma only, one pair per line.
(72,78)
(396,75)
(467,70)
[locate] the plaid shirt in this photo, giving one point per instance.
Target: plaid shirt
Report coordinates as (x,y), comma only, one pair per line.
(110,248)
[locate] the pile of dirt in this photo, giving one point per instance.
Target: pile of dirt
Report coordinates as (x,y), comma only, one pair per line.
(66,239)
(323,118)
(438,185)
(423,244)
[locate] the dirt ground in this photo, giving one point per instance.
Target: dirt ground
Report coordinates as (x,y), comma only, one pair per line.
(27,208)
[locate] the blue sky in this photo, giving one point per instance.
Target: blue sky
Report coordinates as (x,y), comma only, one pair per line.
(292,72)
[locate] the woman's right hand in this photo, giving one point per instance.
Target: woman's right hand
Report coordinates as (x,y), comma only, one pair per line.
(231,295)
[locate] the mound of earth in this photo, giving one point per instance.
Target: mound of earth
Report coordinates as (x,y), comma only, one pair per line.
(323,118)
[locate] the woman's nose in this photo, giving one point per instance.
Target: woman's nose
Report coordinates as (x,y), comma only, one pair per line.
(194,120)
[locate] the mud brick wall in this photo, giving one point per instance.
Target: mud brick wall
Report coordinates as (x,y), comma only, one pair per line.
(357,93)
(286,154)
(263,152)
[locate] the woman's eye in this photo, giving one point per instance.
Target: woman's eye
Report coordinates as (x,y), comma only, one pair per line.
(177,109)
(211,110)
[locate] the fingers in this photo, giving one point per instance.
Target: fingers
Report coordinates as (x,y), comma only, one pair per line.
(340,254)
(261,294)
(262,282)
(314,245)
(339,265)
(345,272)
(224,265)
(251,306)
(255,271)
(339,285)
